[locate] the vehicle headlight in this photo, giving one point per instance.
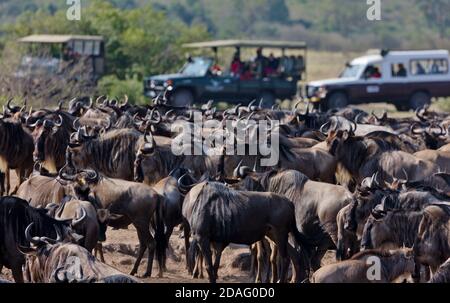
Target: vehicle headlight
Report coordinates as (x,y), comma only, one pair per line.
(168,83)
(322,92)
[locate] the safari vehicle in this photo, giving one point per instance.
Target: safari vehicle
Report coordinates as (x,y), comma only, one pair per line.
(264,78)
(55,54)
(407,79)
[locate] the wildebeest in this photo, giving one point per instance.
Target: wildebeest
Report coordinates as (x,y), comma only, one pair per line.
(16,151)
(42,190)
(218,216)
(432,245)
(67,263)
(442,275)
(363,268)
(136,204)
(391,230)
(16,215)
(316,205)
(51,134)
(363,157)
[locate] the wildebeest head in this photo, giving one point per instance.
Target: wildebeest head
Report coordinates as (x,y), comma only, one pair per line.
(42,130)
(147,160)
(432,246)
(82,180)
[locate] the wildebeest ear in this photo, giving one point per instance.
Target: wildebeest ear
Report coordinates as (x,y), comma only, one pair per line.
(102,215)
(26,250)
(378,214)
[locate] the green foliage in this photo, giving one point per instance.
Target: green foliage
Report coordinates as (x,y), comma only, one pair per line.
(115,88)
(138,41)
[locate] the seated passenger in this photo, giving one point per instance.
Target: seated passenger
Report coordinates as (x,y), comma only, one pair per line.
(236,65)
(246,72)
(401,71)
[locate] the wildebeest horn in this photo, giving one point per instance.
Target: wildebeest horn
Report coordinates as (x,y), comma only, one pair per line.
(109,125)
(24,106)
(241,171)
(97,101)
(29,238)
(168,113)
(358,116)
(323,127)
(125,103)
(406,175)
(76,123)
(250,105)
(75,222)
(154,113)
(27,122)
(185,187)
(59,123)
(237,169)
(56,275)
(8,104)
(353,129)
(60,104)
(413,129)
(59,237)
(91,174)
(63,175)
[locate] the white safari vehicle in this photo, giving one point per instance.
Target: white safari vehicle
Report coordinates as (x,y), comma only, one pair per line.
(407,79)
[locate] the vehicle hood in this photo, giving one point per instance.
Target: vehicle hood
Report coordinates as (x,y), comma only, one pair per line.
(168,76)
(332,82)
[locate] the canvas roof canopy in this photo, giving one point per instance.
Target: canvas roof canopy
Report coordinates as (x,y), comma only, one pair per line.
(57,38)
(248,43)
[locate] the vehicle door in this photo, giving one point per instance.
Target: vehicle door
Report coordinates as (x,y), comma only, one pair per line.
(220,87)
(370,87)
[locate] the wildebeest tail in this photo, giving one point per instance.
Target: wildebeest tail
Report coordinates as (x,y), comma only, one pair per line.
(160,237)
(303,243)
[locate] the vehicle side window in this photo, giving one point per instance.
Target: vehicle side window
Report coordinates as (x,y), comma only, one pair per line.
(399,70)
(372,72)
(429,67)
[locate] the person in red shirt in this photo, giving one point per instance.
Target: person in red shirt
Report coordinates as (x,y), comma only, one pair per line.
(236,65)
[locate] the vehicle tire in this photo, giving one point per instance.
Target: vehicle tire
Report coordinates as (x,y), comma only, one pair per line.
(419,100)
(181,98)
(337,100)
(268,99)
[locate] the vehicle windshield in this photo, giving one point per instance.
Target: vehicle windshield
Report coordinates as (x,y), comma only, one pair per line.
(197,67)
(352,71)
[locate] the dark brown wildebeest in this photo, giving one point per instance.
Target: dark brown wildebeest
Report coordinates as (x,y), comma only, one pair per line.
(52,262)
(136,203)
(15,216)
(113,153)
(316,204)
(87,221)
(391,230)
(218,216)
(51,134)
(442,275)
(363,157)
(16,152)
(393,264)
(154,161)
(432,246)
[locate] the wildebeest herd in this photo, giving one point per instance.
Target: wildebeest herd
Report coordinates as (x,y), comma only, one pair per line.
(364,186)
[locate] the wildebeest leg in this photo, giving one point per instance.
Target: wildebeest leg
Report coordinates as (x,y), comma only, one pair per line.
(205,250)
(296,267)
(17,273)
(186,232)
(317,256)
(2,183)
(218,247)
(273,261)
(20,172)
(145,240)
(8,181)
(99,250)
(259,248)
(280,240)
(169,248)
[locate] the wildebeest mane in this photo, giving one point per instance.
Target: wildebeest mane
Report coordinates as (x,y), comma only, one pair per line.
(288,183)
